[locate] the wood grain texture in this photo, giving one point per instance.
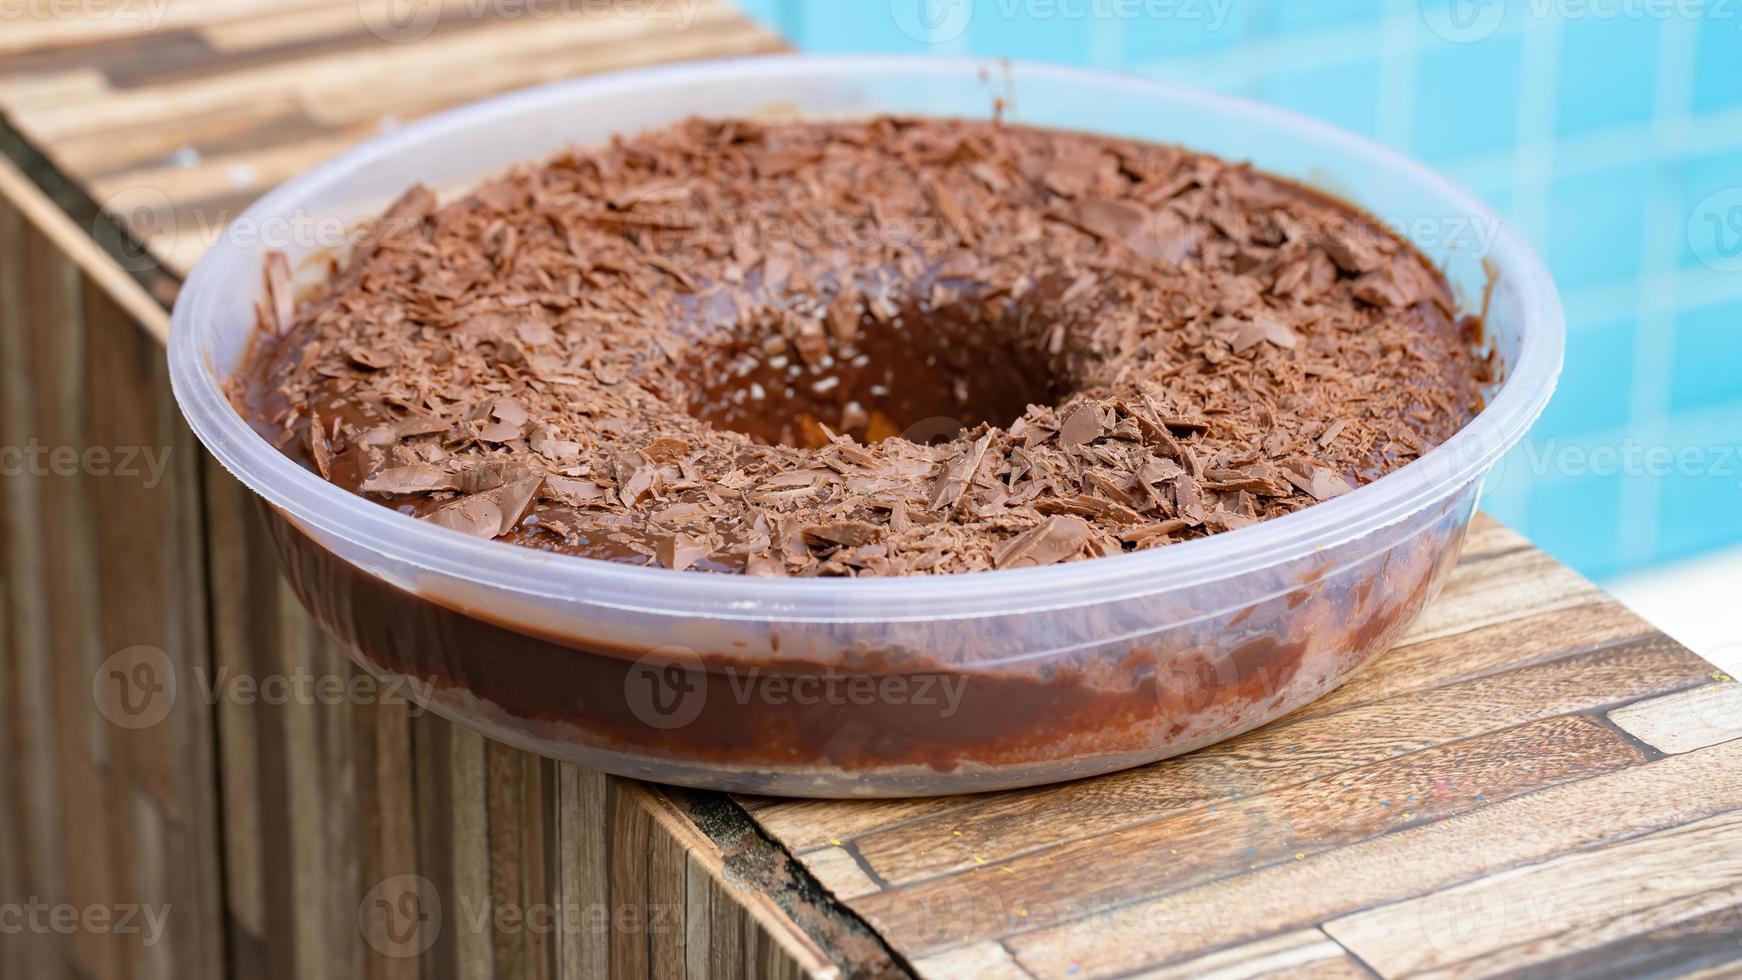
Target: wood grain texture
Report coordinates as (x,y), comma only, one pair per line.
(1307,953)
(173,126)
(1690,720)
(1526,718)
(113,798)
(1536,913)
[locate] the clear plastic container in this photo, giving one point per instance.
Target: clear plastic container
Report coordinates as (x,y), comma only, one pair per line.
(873,687)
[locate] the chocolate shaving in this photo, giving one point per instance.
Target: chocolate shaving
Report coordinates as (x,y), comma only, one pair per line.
(280,292)
(417,478)
(680,551)
(954,480)
(1054,540)
(1263,327)
(850,533)
(492,513)
(1081,425)
(863,347)
(1319,480)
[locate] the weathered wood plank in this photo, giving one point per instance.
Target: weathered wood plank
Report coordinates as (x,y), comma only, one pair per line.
(146,564)
(668,902)
(74,243)
(1503,646)
(38,816)
(1238,834)
(632,825)
(1687,720)
(109,732)
(1308,953)
(987,960)
(1402,865)
(1279,755)
(1560,906)
(840,872)
(79,737)
(53,29)
(806,824)
(1702,946)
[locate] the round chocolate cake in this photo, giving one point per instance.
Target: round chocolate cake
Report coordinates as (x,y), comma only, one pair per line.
(880,347)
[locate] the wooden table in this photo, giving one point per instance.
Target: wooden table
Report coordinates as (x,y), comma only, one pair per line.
(1535,781)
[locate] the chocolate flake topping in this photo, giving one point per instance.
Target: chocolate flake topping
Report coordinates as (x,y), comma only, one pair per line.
(886,347)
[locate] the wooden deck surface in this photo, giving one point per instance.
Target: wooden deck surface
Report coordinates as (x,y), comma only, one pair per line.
(172,123)
(1535,782)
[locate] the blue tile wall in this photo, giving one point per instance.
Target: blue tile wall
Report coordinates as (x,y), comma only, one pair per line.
(1596,224)
(1596,389)
(1700,179)
(1467,98)
(1315,92)
(1564,509)
(1611,132)
(1717,79)
(1608,71)
(1700,514)
(1706,369)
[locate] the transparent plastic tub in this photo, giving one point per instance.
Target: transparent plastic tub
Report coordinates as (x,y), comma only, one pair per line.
(873,687)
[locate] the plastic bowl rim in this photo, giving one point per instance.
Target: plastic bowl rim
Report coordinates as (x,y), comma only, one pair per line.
(1439,474)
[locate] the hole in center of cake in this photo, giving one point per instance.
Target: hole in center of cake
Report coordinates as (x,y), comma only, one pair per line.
(875,369)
